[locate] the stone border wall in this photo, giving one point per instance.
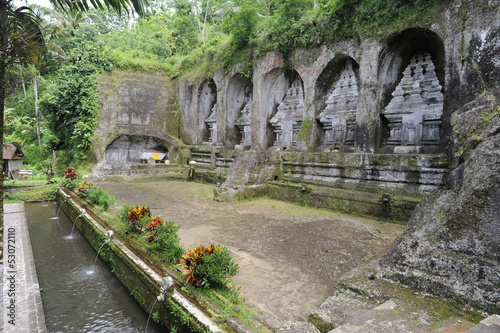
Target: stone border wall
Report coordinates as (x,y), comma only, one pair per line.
(143,283)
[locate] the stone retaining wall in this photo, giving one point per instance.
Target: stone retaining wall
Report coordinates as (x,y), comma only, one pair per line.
(143,283)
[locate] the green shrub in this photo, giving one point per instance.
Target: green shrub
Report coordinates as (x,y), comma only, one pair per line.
(168,241)
(100,197)
(138,218)
(209,267)
(163,234)
(123,212)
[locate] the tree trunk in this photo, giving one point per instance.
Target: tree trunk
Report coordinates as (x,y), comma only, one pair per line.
(37,113)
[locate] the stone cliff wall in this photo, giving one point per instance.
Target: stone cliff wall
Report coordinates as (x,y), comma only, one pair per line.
(139,120)
(395,95)
(364,100)
(415,112)
(452,243)
(364,119)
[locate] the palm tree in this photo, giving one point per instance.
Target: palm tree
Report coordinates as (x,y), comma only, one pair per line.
(22,42)
(138,6)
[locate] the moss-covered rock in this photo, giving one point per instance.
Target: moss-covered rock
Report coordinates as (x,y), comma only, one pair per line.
(451,245)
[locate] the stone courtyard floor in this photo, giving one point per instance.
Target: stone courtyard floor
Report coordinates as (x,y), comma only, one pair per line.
(291,258)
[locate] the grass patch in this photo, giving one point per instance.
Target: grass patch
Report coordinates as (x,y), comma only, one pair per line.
(26,190)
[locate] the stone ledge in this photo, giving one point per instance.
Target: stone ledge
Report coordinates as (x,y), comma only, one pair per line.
(140,279)
(488,325)
(27,315)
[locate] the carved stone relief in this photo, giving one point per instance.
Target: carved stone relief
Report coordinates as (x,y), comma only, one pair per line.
(338,119)
(415,111)
(244,126)
(288,118)
(211,122)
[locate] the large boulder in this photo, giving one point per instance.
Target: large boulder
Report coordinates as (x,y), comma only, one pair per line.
(451,246)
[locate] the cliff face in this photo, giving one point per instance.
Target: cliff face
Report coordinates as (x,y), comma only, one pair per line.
(416,113)
(451,245)
(138,116)
(427,92)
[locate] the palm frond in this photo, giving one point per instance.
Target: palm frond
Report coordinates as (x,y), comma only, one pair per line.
(119,5)
(21,37)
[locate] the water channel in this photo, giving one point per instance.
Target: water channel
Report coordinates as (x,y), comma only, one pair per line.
(77,296)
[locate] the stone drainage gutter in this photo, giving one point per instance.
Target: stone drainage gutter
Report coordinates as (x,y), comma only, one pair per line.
(143,283)
(22,302)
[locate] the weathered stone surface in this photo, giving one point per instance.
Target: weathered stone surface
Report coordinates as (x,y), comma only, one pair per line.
(289,115)
(415,111)
(138,114)
(211,122)
(244,126)
(339,116)
(451,246)
(298,327)
(488,325)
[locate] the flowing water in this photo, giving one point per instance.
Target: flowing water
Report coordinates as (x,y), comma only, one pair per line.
(75,296)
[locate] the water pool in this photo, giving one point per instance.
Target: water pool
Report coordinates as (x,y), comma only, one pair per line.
(76,295)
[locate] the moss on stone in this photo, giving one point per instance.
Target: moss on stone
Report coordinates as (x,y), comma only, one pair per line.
(319,323)
(305,131)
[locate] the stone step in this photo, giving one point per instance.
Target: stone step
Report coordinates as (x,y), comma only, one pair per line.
(349,311)
(393,317)
(488,325)
(343,307)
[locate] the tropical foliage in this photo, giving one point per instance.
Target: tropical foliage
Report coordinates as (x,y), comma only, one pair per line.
(208,266)
(70,173)
(190,38)
(158,233)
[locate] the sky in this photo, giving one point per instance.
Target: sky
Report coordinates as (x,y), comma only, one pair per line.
(44,3)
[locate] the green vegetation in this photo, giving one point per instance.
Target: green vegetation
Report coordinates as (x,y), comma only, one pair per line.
(100,197)
(208,266)
(189,39)
(26,190)
(161,236)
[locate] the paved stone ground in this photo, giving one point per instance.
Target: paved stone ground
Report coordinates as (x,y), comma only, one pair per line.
(22,304)
(291,258)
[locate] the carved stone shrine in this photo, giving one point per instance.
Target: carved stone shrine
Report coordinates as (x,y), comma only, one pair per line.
(338,119)
(243,124)
(211,122)
(288,118)
(415,111)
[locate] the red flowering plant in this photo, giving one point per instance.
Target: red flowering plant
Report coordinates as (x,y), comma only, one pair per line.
(209,266)
(84,188)
(70,173)
(70,176)
(151,228)
(136,217)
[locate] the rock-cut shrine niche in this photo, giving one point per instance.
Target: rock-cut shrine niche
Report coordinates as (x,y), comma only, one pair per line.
(239,104)
(413,116)
(338,119)
(136,149)
(211,122)
(243,124)
(208,112)
(288,118)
